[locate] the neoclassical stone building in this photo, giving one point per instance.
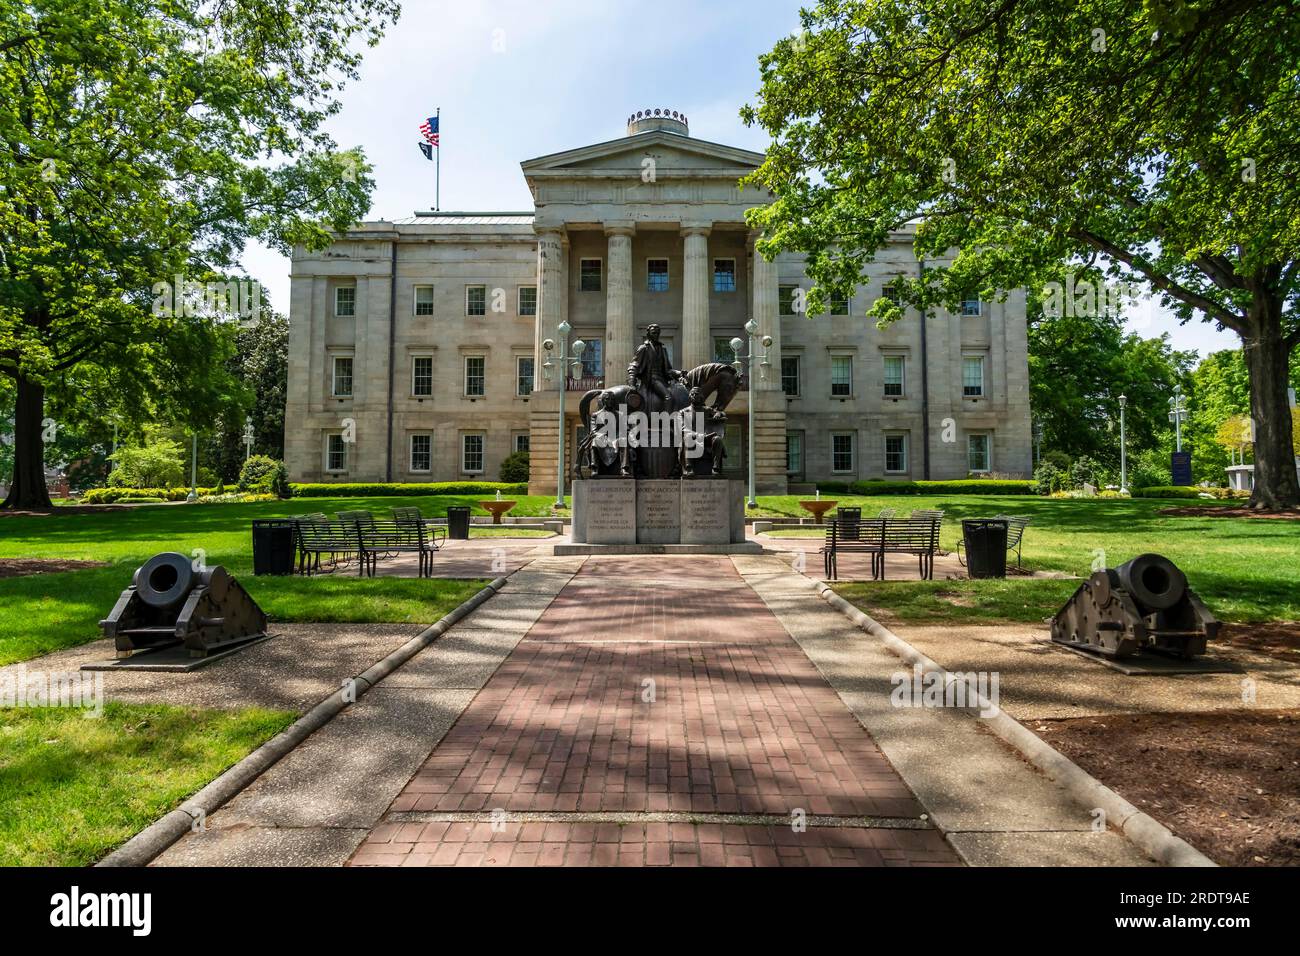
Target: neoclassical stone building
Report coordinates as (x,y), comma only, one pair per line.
(416,347)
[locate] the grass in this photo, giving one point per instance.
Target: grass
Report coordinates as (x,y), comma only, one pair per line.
(1009,601)
(73,788)
(1245,569)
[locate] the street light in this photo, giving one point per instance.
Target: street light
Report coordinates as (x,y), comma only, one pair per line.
(1177,412)
(194,468)
(564,360)
(751,330)
(248,436)
(1123,449)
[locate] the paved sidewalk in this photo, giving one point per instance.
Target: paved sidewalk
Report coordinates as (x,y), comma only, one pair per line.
(656,714)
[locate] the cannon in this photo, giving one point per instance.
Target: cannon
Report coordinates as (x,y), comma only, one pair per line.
(1144,604)
(170,602)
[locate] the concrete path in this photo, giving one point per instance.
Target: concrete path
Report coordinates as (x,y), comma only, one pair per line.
(656,714)
(317,804)
(994,808)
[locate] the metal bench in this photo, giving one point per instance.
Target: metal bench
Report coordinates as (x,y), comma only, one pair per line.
(434,531)
(340,540)
(879,537)
(382,539)
(1015,537)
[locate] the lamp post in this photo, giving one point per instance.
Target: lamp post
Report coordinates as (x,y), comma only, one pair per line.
(1123,448)
(564,360)
(194,467)
(248,437)
(1038,442)
(751,330)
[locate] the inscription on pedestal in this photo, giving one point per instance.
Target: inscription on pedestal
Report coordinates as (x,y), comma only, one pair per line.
(658,511)
(610,512)
(706,511)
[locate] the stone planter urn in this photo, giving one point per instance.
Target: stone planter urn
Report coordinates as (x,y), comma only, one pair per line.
(818,508)
(496,508)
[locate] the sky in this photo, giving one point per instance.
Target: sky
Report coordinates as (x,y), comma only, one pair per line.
(515,80)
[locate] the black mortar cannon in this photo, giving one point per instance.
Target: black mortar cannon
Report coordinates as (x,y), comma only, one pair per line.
(170,602)
(1145,603)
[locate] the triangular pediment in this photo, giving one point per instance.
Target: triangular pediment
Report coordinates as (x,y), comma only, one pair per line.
(668,150)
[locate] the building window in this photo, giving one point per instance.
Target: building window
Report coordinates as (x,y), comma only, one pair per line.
(892,291)
(421,452)
(786,296)
(471,453)
(528,300)
(977,453)
(474,374)
(521,441)
(971,307)
(842,452)
(476,300)
(524,376)
(722,351)
(424,300)
(422,376)
(972,376)
(893,376)
(345,300)
(841,376)
(895,454)
(336,453)
(656,275)
(593,360)
(724,275)
(790,374)
(589,275)
(839,304)
(341,387)
(794,453)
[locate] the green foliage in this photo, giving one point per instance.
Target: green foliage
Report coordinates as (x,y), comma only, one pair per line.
(111,495)
(158,463)
(261,363)
(1090,471)
(1165,157)
(961,486)
(1187,491)
(264,475)
(384,489)
(1049,477)
(514,468)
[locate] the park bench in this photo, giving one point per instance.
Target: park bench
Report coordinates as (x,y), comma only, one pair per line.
(1015,537)
(435,531)
(383,539)
(879,537)
(319,537)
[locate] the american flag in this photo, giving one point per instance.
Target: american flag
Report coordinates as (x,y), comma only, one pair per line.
(429,128)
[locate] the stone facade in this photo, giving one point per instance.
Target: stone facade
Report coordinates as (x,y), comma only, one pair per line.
(412,343)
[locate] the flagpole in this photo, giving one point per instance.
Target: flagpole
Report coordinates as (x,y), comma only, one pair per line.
(437,175)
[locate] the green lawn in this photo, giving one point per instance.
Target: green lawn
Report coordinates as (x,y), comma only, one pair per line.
(1245,569)
(74,787)
(1009,601)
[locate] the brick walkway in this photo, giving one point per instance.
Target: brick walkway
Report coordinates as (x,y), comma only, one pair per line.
(615,733)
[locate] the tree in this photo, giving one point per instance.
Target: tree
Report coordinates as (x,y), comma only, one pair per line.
(145,140)
(159,462)
(1154,139)
(261,365)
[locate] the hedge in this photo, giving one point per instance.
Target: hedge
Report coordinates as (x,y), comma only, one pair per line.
(961,486)
(107,496)
(1187,491)
(359,490)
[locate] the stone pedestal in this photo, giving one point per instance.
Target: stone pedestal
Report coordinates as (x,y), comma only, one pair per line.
(693,515)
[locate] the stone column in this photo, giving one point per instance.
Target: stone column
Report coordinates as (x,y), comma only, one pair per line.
(767,402)
(550,294)
(620,330)
(544,403)
(697,345)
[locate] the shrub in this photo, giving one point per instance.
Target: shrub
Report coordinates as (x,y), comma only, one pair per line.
(107,496)
(1188,491)
(385,489)
(833,487)
(1090,471)
(1049,477)
(1058,458)
(265,475)
(514,468)
(961,486)
(158,464)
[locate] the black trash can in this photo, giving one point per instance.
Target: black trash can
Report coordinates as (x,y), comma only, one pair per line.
(985,541)
(458,522)
(273,546)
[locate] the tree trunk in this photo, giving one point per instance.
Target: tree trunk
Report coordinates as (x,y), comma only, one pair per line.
(1276,485)
(28,488)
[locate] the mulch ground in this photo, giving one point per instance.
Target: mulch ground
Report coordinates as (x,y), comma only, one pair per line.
(1227,782)
(1215,511)
(1280,639)
(20,567)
